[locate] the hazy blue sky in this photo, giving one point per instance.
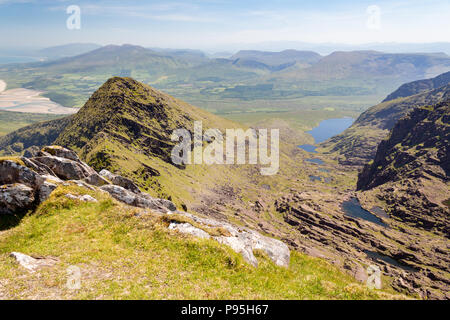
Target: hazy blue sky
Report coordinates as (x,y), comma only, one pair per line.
(217,23)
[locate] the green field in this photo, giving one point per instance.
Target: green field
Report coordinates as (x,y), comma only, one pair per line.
(10,121)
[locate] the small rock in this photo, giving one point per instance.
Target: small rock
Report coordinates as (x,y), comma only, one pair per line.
(120,181)
(187,228)
(96,180)
(141,200)
(84,198)
(30,263)
(31,152)
(87,198)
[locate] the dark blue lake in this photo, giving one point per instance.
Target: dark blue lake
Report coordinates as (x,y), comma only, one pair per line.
(353,209)
(316,161)
(325,130)
(330,127)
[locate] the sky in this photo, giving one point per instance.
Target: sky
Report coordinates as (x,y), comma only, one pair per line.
(222,24)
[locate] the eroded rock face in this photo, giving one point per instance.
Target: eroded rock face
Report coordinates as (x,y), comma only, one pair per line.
(404,254)
(138,200)
(13,172)
(25,182)
(66,169)
(242,240)
(15,198)
(411,169)
(120,181)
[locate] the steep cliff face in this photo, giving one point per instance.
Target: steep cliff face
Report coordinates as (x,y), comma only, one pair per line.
(358,144)
(412,166)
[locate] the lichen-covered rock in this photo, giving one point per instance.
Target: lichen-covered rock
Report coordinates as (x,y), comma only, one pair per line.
(13,172)
(66,169)
(120,181)
(241,240)
(84,198)
(61,152)
(96,180)
(188,228)
(45,190)
(30,263)
(15,198)
(138,200)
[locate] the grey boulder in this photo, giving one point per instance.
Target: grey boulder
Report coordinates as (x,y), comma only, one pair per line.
(138,200)
(15,197)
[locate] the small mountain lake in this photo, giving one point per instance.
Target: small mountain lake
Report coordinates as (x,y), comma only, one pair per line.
(352,208)
(378,256)
(325,130)
(315,160)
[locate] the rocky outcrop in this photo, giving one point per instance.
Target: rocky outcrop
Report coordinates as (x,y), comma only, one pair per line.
(141,200)
(120,181)
(242,240)
(26,182)
(15,197)
(24,187)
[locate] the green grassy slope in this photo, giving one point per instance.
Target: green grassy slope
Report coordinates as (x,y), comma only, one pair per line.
(122,256)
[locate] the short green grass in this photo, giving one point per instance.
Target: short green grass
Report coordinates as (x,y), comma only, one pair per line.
(122,256)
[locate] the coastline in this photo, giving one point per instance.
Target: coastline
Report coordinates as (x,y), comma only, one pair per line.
(2,86)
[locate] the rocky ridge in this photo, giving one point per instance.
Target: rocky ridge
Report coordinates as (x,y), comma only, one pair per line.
(27,182)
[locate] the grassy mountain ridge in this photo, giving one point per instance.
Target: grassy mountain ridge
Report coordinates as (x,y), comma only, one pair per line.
(415,87)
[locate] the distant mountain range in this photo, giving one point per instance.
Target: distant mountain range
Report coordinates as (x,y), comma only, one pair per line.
(67,50)
(245,76)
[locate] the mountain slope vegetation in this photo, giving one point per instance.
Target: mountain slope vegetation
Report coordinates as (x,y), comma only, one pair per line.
(411,169)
